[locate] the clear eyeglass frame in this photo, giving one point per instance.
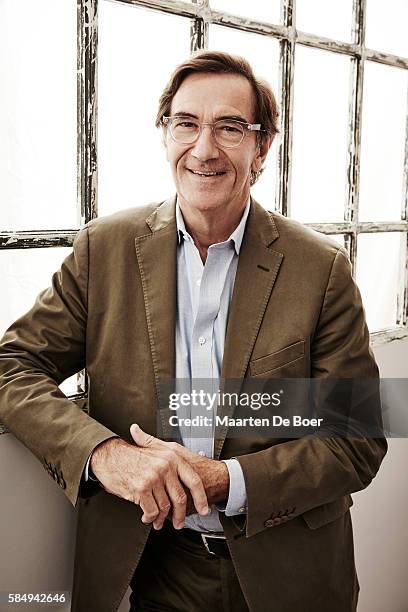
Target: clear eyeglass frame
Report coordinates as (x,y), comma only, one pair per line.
(244,127)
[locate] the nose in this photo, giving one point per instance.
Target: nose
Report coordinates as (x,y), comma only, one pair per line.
(205,147)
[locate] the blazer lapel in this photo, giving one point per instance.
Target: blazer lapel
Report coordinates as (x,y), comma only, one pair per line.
(156,256)
(258,268)
(256,274)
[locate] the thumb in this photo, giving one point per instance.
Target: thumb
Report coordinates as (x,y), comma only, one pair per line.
(140,437)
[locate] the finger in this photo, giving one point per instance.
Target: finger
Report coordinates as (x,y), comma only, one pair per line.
(193,482)
(140,437)
(163,504)
(149,507)
(178,498)
(190,506)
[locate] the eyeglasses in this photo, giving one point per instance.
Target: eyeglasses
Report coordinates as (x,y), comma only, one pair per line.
(228,133)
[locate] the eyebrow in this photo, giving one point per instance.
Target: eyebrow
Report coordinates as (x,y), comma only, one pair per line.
(221,118)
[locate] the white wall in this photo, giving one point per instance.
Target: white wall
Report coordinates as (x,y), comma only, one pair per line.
(380,516)
(37,523)
(37,527)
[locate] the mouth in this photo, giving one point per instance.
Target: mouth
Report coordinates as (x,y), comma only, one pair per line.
(206,174)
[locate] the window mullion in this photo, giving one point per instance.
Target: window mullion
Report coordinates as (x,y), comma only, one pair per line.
(402,303)
(286,91)
(354,146)
(87,105)
(404,208)
(199,29)
(87,168)
(37,239)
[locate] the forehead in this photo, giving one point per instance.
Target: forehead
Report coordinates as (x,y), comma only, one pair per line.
(215,95)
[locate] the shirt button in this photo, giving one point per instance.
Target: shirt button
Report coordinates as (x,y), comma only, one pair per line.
(201,453)
(242,509)
(198,282)
(201,340)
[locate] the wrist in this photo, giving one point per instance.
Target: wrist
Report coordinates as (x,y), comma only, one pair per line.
(219,492)
(102,453)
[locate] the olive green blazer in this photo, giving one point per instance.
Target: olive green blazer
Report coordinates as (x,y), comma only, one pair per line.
(295,312)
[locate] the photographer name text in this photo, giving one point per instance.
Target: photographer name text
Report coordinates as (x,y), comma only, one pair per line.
(251,421)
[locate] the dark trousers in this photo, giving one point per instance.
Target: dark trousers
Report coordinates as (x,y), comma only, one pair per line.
(178,575)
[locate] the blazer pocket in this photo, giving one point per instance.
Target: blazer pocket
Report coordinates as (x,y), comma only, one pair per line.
(277,360)
(323,515)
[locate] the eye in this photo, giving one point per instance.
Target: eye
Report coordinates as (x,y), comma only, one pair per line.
(230,128)
(185,123)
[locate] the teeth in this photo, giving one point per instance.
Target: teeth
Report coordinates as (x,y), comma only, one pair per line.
(206,173)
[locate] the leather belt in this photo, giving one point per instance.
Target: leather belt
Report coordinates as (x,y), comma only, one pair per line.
(214,543)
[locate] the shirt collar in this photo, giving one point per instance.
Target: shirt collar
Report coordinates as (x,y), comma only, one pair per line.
(236,236)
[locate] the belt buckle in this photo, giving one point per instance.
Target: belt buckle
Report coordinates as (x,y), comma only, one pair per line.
(204,537)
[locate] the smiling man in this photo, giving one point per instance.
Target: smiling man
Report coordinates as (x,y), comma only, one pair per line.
(207,284)
(214,147)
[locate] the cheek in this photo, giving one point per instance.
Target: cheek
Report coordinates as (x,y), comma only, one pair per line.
(173,159)
(173,153)
(244,166)
(176,159)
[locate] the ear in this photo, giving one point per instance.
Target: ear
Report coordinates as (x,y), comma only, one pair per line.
(261,152)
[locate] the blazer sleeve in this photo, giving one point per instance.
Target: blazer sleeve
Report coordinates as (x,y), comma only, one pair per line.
(291,478)
(38,352)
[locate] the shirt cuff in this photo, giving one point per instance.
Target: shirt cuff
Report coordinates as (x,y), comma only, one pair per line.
(237,498)
(87,473)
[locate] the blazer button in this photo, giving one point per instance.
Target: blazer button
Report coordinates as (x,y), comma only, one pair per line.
(269,523)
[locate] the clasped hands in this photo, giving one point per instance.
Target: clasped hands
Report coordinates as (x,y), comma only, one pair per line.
(163,478)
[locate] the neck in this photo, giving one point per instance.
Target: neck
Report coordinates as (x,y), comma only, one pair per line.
(207,227)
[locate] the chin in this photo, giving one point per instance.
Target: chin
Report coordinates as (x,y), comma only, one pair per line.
(204,203)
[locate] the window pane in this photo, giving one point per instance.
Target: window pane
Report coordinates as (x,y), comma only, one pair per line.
(320,121)
(380,256)
(138,51)
(70,385)
(258,10)
(38,114)
(382,142)
(315,17)
(339,238)
(263,54)
(386,26)
(24,273)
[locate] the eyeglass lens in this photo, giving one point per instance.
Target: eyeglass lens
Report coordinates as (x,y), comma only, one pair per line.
(227,133)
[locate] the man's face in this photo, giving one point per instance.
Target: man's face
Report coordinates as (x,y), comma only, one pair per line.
(209,97)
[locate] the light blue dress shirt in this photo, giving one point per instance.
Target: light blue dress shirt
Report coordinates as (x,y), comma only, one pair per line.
(204,293)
